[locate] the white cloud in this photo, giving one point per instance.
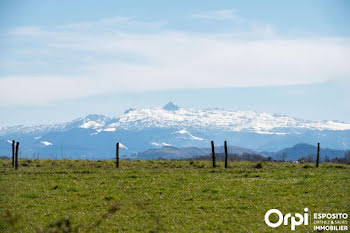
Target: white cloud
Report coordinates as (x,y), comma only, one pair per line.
(172,59)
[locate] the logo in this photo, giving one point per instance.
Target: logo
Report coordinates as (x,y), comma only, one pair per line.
(295,220)
(321,221)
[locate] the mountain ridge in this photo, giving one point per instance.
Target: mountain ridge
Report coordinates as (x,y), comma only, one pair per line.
(170,152)
(303,150)
(248,121)
(95,135)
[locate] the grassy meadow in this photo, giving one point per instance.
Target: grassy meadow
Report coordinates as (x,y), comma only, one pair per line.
(164,196)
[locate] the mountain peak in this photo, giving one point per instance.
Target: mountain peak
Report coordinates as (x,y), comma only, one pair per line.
(94,117)
(129,110)
(171,106)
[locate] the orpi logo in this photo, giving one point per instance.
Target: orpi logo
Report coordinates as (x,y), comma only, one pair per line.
(285,219)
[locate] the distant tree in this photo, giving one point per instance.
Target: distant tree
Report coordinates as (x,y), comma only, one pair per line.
(302,160)
(344,160)
(234,157)
(326,159)
(283,156)
(347,155)
(307,159)
(310,158)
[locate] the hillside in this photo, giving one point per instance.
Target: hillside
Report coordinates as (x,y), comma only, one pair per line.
(303,150)
(170,152)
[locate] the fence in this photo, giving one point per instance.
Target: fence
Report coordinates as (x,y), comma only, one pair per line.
(15,147)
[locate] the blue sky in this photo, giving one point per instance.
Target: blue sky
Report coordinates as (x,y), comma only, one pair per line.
(61,60)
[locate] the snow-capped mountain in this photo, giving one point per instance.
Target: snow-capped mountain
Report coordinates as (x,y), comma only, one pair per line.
(94,136)
(236,121)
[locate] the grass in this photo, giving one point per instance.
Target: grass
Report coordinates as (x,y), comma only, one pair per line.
(164,196)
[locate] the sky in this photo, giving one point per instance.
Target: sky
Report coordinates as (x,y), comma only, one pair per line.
(60,60)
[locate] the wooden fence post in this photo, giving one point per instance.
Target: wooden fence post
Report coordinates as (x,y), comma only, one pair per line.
(318,155)
(16,159)
(213,153)
(13,153)
(225,145)
(117,155)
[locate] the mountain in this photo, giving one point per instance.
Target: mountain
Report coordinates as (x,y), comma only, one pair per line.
(171,106)
(302,150)
(94,136)
(171,152)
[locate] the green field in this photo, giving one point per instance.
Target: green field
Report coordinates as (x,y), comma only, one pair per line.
(164,196)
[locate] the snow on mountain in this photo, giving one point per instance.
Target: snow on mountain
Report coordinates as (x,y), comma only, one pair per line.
(160,144)
(93,121)
(97,132)
(238,121)
(46,143)
(109,129)
(122,146)
(186,135)
(32,129)
(94,136)
(91,124)
(172,116)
